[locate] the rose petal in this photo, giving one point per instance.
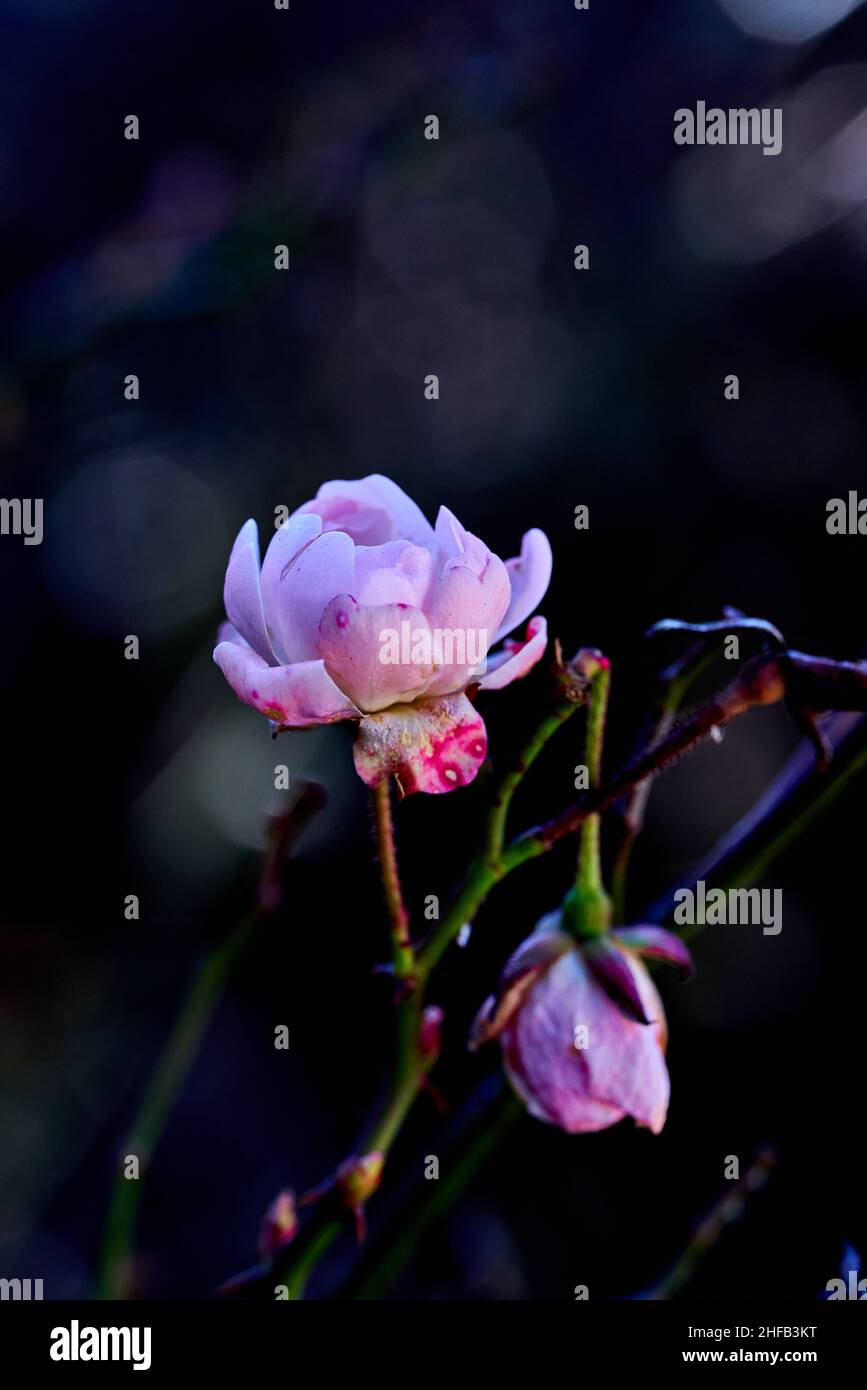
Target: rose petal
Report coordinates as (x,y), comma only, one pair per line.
(517,658)
(372,510)
(630,1071)
(658,944)
(455,542)
(529,575)
(227,632)
(287,542)
(408,520)
(396,572)
(464,608)
(308,583)
(293,697)
(364,649)
(620,1071)
(431,746)
(521,971)
(612,970)
(242,592)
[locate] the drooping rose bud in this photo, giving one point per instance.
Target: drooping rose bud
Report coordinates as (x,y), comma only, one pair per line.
(356,1180)
(582,1028)
(362,610)
(279,1226)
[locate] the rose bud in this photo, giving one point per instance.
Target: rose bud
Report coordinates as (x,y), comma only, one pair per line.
(362,610)
(356,1180)
(279,1226)
(582,1028)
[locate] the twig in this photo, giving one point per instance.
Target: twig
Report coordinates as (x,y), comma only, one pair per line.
(181,1050)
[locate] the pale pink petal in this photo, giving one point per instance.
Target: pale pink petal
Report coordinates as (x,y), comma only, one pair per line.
(380,655)
(351,509)
(287,542)
(372,510)
(530,575)
(455,542)
(519,975)
(551,1075)
(408,520)
(431,746)
(227,632)
(588,1115)
(515,659)
(242,593)
(464,608)
(396,572)
(449,534)
(310,580)
(628,1068)
(291,696)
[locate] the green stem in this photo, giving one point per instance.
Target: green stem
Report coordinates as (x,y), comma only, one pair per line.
(174,1067)
(179,1054)
(487,1125)
(545,730)
(296,1264)
(587,908)
(323,1228)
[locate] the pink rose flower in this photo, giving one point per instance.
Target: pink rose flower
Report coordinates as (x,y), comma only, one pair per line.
(582,1027)
(362,610)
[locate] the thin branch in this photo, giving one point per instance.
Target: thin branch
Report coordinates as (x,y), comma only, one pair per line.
(182,1048)
(760,682)
(728,1208)
(403,958)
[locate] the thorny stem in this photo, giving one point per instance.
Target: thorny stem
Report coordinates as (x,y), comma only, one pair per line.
(402,955)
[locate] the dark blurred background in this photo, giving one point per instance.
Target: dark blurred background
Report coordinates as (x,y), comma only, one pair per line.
(558,387)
